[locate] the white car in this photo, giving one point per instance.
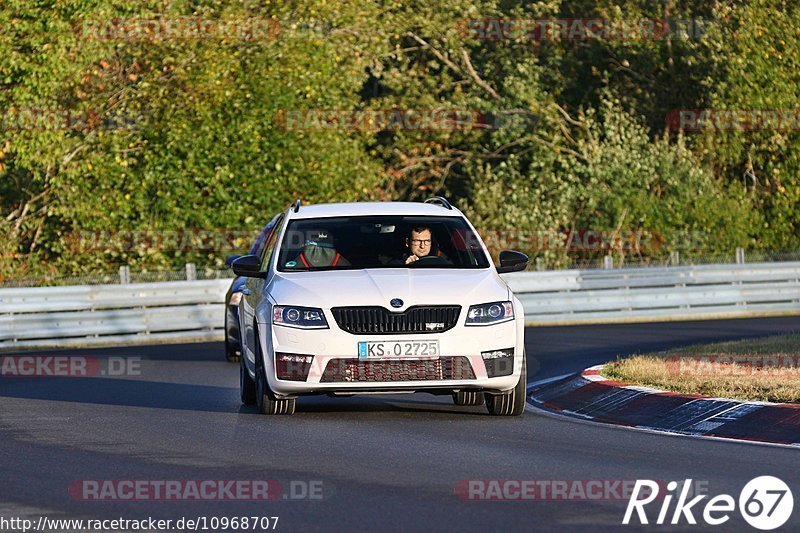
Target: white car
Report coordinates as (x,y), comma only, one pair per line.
(337,305)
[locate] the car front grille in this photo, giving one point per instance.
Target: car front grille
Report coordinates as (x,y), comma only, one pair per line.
(381,321)
(353,370)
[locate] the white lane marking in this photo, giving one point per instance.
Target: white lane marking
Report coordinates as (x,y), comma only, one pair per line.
(543,411)
(534,384)
(644,389)
(594,377)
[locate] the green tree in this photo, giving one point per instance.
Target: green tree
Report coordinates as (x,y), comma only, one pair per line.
(756,50)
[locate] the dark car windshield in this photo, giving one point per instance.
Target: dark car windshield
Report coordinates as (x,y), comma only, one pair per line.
(378,242)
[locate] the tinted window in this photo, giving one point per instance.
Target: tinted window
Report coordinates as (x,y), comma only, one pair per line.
(377,242)
(261,240)
(271,238)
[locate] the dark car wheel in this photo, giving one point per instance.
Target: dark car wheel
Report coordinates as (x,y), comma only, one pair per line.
(247,387)
(512,404)
(231,353)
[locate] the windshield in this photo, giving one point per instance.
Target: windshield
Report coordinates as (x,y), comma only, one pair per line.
(380,242)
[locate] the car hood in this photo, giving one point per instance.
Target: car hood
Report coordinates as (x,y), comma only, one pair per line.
(377,287)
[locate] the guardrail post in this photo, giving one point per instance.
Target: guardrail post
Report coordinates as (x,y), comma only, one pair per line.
(191,272)
(675,258)
(608,262)
(124,275)
(539,264)
(740,256)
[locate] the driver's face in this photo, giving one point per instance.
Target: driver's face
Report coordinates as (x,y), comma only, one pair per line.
(420,243)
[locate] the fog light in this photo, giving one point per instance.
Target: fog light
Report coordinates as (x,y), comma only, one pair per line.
(499,362)
(292,367)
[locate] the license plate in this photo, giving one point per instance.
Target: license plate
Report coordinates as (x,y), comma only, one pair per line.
(378,349)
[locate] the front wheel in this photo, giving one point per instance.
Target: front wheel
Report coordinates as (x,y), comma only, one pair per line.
(512,404)
(268,403)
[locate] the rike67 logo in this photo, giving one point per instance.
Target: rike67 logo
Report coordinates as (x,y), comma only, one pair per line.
(765,503)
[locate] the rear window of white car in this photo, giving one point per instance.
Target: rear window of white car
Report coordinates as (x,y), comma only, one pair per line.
(378,242)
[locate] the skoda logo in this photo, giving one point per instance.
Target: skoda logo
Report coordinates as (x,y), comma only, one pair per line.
(396,302)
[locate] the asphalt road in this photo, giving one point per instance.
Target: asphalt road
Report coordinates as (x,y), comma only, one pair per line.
(385,463)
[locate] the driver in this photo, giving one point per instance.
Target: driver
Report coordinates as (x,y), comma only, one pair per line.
(419,243)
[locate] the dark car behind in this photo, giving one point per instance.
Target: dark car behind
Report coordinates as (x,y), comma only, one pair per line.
(233,349)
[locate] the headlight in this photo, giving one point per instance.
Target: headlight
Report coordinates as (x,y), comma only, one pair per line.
(491,313)
(299,317)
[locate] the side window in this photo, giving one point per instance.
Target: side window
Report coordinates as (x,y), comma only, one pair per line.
(258,246)
(270,243)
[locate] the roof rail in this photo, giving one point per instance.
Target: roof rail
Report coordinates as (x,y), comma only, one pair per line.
(297,206)
(438,200)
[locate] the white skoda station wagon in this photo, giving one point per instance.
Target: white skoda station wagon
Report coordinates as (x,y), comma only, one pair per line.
(361,298)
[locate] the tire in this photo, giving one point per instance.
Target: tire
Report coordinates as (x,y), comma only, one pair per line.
(468,398)
(247,387)
(230,353)
(266,401)
(512,404)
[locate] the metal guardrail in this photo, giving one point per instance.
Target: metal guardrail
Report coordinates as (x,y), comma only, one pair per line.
(182,310)
(99,314)
(650,294)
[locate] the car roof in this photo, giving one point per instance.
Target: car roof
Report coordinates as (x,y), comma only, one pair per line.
(373,208)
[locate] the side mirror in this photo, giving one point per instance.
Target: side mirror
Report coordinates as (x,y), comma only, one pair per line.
(512,261)
(248,266)
(230,259)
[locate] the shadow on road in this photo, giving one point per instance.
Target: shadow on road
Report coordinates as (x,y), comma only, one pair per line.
(421,403)
(204,398)
(131,393)
(200,351)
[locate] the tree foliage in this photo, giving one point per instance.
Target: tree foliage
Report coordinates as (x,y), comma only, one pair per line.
(174,133)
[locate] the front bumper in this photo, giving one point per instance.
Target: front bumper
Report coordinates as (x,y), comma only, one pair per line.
(336,349)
